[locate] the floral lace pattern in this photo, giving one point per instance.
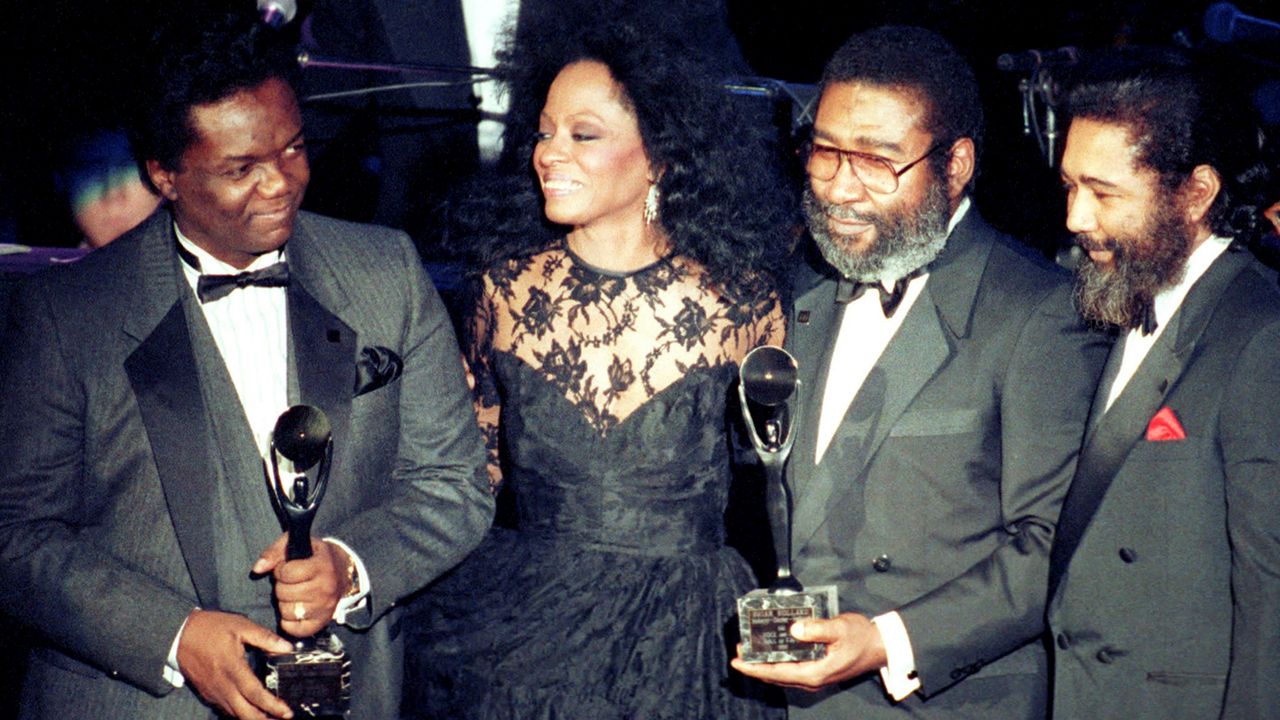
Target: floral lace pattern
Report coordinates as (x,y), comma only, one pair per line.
(609,342)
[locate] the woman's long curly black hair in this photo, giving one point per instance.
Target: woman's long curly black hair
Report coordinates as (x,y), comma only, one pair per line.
(725,201)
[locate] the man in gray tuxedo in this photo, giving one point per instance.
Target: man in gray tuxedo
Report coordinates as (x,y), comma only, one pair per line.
(141,387)
(1165,575)
(946,382)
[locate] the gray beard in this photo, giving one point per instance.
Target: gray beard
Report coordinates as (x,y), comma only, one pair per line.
(904,242)
(1115,297)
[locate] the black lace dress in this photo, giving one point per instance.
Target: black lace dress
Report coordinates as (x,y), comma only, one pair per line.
(614,597)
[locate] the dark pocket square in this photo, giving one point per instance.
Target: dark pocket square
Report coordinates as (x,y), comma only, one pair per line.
(376,367)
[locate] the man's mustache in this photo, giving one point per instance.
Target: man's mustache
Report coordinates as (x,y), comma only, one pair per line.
(844,212)
(1103,245)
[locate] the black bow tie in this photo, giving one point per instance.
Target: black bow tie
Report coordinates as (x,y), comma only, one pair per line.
(1146,318)
(216,287)
(849,290)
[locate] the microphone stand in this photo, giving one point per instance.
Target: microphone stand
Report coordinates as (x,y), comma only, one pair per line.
(468,74)
(803,97)
(1039,99)
(306,60)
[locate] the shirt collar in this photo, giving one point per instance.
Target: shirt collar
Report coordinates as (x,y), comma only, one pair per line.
(962,209)
(210,265)
(1168,301)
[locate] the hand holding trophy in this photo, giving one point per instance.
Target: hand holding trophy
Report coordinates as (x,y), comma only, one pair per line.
(767,383)
(315,678)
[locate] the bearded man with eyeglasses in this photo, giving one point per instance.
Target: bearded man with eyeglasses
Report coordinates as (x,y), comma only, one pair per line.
(940,411)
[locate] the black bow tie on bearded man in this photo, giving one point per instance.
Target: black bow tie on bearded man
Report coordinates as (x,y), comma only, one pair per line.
(1145,318)
(849,290)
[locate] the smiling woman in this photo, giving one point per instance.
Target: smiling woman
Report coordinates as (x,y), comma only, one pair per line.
(606,331)
(594,170)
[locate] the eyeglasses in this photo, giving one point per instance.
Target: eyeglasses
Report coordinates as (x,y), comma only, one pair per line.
(873,171)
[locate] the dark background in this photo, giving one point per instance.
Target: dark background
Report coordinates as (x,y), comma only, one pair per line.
(70,62)
(67,67)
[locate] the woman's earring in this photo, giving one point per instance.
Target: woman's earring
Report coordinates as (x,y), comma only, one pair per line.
(651,204)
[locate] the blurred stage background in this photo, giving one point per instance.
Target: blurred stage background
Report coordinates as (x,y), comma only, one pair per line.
(390,157)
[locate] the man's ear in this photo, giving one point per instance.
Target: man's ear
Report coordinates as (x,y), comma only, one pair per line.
(961,163)
(162,179)
(1199,191)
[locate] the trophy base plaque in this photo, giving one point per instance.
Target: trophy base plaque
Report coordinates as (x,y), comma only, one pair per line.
(315,679)
(765,618)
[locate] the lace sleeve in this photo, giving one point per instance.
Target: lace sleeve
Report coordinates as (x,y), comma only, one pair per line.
(771,325)
(758,318)
(484,388)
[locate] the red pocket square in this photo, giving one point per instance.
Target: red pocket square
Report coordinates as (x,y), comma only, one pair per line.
(1165,426)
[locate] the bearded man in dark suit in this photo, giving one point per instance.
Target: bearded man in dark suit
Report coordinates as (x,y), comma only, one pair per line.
(941,409)
(1165,599)
(136,534)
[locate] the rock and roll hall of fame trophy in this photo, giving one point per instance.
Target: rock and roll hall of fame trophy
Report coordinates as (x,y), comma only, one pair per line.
(315,678)
(767,386)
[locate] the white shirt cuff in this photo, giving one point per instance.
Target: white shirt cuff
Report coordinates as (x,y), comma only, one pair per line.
(351,603)
(171,673)
(899,673)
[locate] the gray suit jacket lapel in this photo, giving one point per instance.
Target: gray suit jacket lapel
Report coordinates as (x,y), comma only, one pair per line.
(162,371)
(920,347)
(322,347)
(243,507)
(1125,423)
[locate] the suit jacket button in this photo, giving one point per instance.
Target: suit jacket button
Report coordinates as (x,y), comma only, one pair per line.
(882,563)
(1064,642)
(1128,555)
(957,674)
(1106,656)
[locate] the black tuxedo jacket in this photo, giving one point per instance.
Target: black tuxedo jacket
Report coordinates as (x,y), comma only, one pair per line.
(938,494)
(1167,567)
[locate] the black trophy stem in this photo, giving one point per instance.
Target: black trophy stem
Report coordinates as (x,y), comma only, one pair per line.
(768,377)
(778,501)
(298,546)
